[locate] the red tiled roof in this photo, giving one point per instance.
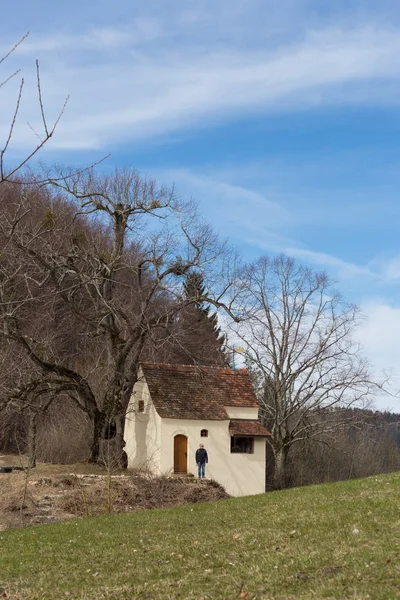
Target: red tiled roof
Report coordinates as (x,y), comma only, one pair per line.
(247,427)
(197,392)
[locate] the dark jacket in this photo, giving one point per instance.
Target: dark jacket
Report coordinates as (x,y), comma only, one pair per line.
(201,456)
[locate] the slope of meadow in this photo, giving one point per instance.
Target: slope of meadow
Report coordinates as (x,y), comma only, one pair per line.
(337,540)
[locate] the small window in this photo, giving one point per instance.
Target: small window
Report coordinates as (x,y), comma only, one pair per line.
(204,433)
(242,445)
(141,406)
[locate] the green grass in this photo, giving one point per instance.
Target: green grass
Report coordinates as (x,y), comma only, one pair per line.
(332,541)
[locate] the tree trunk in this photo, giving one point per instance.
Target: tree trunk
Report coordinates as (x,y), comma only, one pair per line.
(106,450)
(109,426)
(32,431)
(281,468)
(121,457)
(98,427)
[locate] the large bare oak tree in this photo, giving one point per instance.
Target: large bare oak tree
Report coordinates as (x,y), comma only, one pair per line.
(298,340)
(93,270)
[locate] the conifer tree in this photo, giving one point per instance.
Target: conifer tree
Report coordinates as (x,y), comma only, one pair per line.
(199,339)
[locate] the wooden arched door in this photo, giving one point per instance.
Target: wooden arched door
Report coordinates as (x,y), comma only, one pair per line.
(180,454)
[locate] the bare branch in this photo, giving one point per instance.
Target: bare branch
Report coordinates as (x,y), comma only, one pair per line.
(2,59)
(48,132)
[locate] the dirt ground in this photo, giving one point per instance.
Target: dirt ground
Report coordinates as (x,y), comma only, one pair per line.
(50,493)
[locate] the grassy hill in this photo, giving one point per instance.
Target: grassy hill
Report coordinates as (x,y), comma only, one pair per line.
(338,540)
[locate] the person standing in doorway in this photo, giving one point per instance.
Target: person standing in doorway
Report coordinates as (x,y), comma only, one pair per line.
(201,461)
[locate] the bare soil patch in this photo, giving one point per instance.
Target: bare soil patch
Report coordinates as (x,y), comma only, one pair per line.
(52,493)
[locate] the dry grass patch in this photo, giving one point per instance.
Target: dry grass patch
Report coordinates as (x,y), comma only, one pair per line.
(51,493)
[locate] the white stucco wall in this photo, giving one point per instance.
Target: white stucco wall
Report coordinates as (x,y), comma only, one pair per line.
(143,431)
(240,474)
(242,412)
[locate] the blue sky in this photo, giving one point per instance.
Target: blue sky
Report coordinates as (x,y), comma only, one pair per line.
(281,119)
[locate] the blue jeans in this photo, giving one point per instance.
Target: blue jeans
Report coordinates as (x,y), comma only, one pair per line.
(201,469)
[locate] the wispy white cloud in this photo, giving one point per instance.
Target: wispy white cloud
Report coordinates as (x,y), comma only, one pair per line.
(266,223)
(236,205)
(389,268)
(342,268)
(138,32)
(378,335)
(378,272)
(140,91)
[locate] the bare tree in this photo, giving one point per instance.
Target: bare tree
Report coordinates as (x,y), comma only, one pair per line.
(47,129)
(92,274)
(298,339)
(33,399)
